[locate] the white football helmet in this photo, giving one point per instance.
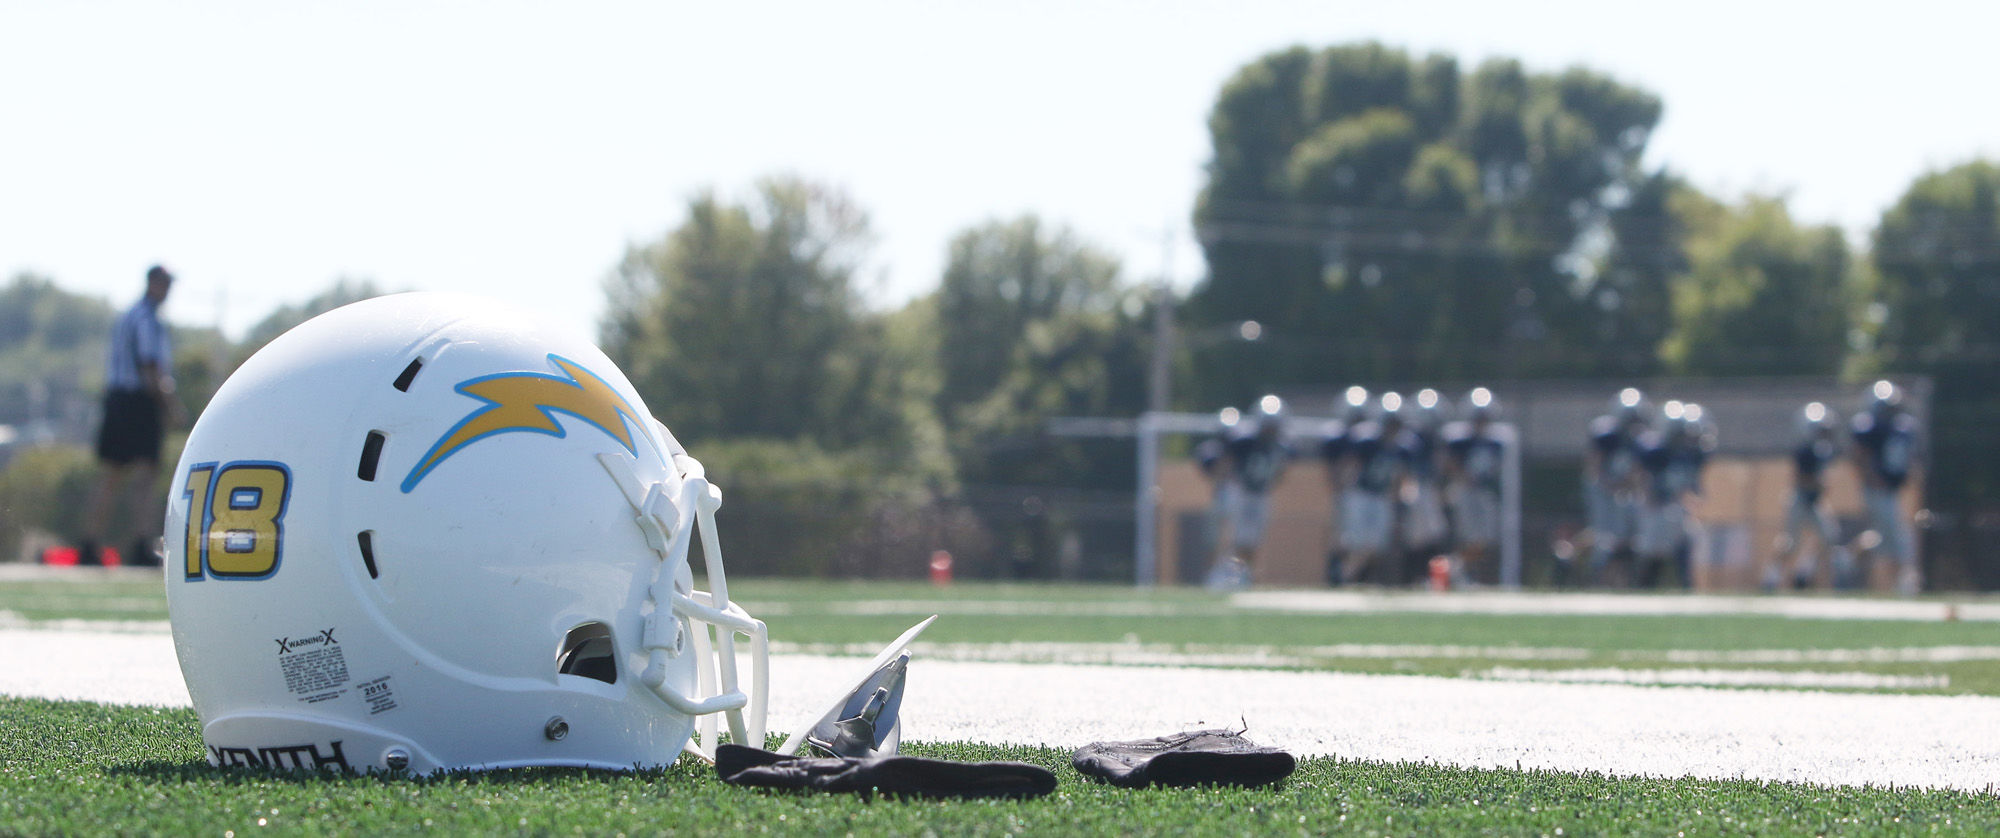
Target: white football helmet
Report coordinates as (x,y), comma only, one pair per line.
(429,532)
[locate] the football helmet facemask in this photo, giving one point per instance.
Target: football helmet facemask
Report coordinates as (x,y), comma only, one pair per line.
(430,532)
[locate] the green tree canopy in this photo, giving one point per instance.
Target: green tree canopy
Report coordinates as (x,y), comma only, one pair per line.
(1937,266)
(1001,280)
(745,322)
(52,346)
(1034,323)
(1763,295)
(1390,217)
(1937,252)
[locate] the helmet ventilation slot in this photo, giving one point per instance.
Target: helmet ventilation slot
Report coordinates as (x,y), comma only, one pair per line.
(366,538)
(371,453)
(587,652)
(409,374)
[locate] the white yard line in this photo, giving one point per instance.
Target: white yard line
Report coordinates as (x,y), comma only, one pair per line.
(1717,678)
(1601,604)
(985,608)
(1192,654)
(1906,654)
(1830,738)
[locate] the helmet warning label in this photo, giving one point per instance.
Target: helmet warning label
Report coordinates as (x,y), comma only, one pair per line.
(314,666)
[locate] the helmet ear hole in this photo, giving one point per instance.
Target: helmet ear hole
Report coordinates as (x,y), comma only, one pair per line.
(587,652)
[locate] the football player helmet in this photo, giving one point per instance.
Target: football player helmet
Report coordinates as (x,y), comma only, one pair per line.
(1390,408)
(1815,420)
(1629,406)
(1479,404)
(1270,414)
(1354,405)
(1430,410)
(430,532)
(1884,397)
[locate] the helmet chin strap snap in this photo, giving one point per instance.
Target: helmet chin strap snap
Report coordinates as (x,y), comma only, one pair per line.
(669,524)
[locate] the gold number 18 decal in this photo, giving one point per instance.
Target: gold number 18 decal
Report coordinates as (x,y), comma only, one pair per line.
(235,519)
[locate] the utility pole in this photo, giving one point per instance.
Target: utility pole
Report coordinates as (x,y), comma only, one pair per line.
(1158,384)
(1146,514)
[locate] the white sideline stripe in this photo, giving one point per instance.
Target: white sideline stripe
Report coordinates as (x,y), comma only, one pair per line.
(1717,678)
(1173,654)
(1500,602)
(1908,654)
(1263,655)
(1826,738)
(985,608)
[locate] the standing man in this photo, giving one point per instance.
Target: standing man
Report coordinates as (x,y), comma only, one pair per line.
(1672,459)
(1474,454)
(1378,455)
(1209,455)
(1425,528)
(138,402)
(1611,479)
(1333,451)
(1885,451)
(1818,448)
(1254,455)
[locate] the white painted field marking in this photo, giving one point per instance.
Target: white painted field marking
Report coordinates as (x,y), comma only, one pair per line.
(1603,604)
(1717,678)
(985,608)
(1829,738)
(1194,654)
(1904,654)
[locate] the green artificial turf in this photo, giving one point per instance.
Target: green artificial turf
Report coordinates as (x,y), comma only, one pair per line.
(1047,622)
(86,594)
(72,768)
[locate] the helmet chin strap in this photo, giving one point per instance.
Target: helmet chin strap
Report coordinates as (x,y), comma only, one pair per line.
(669,524)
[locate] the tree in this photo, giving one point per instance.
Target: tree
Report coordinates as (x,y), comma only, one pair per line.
(745,322)
(744,332)
(1937,251)
(1937,265)
(1385,217)
(1003,278)
(1032,323)
(52,347)
(1762,295)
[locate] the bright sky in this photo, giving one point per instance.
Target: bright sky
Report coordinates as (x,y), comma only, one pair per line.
(263,149)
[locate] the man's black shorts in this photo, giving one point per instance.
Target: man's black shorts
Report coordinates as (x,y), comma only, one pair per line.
(132,428)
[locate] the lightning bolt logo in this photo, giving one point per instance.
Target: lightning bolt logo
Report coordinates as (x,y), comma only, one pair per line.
(528,401)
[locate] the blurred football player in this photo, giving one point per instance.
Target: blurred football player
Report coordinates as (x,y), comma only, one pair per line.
(1885,452)
(1611,483)
(1420,506)
(1473,453)
(1333,450)
(1378,462)
(1254,455)
(1208,456)
(1671,459)
(1819,446)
